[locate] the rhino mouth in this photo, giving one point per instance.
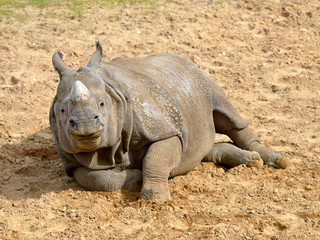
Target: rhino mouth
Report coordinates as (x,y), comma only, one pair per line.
(94,135)
(87,141)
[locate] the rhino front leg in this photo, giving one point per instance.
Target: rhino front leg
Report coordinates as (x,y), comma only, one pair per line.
(232,156)
(246,139)
(108,180)
(161,159)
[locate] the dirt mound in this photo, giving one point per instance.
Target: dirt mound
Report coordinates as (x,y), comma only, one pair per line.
(265,54)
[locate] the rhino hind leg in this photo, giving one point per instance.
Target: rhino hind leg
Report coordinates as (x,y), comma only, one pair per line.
(246,139)
(228,121)
(108,180)
(232,156)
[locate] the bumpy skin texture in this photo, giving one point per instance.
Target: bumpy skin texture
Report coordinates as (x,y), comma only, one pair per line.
(135,120)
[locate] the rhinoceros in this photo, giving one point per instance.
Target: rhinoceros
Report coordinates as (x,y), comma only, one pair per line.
(132,123)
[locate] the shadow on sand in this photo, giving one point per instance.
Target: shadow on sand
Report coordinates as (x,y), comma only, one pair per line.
(31,168)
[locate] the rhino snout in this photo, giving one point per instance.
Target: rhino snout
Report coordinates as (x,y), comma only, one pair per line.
(85,128)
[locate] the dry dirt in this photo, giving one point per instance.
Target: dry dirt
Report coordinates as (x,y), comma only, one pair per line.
(265,54)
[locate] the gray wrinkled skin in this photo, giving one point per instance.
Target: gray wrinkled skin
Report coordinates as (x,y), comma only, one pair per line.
(134,122)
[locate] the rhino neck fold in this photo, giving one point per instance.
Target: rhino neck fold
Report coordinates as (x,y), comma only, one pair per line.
(104,158)
(125,120)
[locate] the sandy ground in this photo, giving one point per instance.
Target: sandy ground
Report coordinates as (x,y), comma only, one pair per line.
(265,54)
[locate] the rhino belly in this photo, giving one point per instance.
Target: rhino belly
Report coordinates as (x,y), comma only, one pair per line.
(197,147)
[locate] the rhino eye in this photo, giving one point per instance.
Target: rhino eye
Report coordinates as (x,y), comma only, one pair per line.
(62,110)
(102,104)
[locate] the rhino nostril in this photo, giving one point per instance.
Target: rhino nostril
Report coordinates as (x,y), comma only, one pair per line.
(72,124)
(97,120)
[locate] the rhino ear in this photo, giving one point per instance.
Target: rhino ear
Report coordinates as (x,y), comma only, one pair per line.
(58,63)
(96,58)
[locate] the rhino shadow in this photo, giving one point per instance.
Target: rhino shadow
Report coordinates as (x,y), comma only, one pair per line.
(31,168)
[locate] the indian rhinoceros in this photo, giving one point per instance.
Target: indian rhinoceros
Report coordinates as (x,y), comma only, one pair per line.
(139,121)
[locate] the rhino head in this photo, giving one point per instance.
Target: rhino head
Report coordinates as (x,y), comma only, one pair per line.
(87,112)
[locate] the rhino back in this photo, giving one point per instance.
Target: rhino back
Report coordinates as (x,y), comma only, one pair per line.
(169,96)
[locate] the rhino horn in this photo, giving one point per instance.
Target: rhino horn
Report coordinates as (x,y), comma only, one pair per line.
(58,63)
(79,92)
(96,58)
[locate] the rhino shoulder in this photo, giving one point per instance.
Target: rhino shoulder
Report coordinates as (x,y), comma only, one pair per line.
(156,114)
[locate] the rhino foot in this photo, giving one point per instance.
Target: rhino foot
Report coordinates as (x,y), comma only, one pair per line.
(232,156)
(255,161)
(284,162)
(247,139)
(152,194)
(271,157)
